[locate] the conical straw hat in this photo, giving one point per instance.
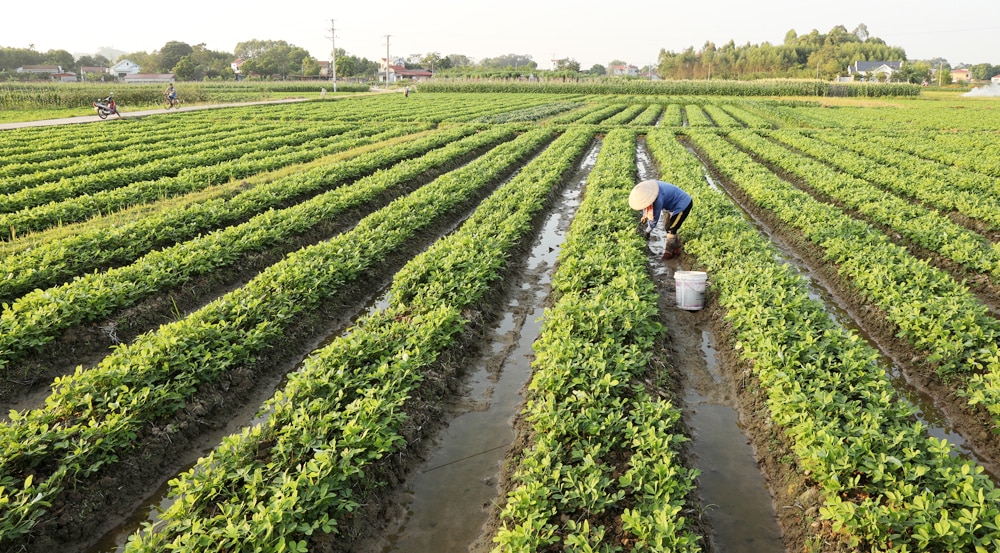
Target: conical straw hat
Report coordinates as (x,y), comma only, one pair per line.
(643,194)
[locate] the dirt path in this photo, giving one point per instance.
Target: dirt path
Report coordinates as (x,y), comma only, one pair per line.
(137,114)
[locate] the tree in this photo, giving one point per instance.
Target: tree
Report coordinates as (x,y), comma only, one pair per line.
(170,54)
(146,62)
(598,69)
(568,64)
(310,67)
(459,60)
(861,31)
(275,58)
(791,38)
(62,58)
(918,72)
(983,71)
(93,61)
(185,69)
(515,61)
(211,64)
(431,61)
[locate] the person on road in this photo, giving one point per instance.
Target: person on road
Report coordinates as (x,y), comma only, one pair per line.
(170,92)
(652,197)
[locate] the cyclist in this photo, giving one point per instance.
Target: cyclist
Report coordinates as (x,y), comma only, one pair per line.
(171,93)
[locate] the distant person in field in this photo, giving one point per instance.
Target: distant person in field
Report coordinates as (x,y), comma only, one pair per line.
(652,197)
(171,92)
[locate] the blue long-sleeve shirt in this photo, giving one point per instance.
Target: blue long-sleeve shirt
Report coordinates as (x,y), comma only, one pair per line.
(671,198)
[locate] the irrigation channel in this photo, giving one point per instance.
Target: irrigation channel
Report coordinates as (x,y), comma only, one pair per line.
(927,410)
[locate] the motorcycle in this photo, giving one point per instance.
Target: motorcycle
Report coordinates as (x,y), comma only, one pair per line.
(107,107)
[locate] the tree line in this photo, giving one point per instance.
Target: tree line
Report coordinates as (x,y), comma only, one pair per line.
(814,55)
(263,58)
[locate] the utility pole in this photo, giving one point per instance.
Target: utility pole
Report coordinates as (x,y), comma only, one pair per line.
(387,60)
(333,55)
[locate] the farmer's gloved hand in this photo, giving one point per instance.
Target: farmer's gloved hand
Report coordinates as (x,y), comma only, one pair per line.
(649,229)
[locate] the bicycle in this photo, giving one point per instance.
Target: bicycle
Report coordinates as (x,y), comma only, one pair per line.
(169,102)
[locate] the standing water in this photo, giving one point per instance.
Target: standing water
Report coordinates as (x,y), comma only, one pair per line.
(446,503)
(733,494)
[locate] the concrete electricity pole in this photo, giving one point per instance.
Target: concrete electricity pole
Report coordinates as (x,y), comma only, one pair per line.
(387,60)
(333,58)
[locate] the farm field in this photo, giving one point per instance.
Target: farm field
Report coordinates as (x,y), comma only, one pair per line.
(263,320)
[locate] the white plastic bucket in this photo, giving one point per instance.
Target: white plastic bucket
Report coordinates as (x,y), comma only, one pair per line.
(690,289)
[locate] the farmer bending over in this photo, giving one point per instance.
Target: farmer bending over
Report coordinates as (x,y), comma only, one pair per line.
(652,197)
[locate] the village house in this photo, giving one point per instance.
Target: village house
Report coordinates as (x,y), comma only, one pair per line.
(40,69)
(869,70)
(89,72)
(623,71)
(397,71)
(960,75)
(124,68)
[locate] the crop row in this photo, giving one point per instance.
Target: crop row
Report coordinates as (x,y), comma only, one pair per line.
(23,153)
(721,117)
(146,159)
(747,117)
(885,484)
(18,145)
(38,317)
(604,455)
(196,178)
(935,314)
(929,118)
(648,117)
(94,416)
(310,463)
(625,116)
(696,116)
(421,107)
(975,151)
(882,149)
(926,228)
(57,260)
(122,172)
(532,113)
(674,87)
(940,192)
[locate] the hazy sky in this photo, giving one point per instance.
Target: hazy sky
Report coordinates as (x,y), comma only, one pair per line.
(961,31)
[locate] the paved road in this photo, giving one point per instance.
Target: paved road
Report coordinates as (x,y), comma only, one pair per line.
(134,114)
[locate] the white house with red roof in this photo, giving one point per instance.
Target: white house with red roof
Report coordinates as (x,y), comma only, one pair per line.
(397,71)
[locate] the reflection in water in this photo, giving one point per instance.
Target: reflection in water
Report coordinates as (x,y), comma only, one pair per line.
(448,500)
(733,494)
(732,488)
(925,408)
